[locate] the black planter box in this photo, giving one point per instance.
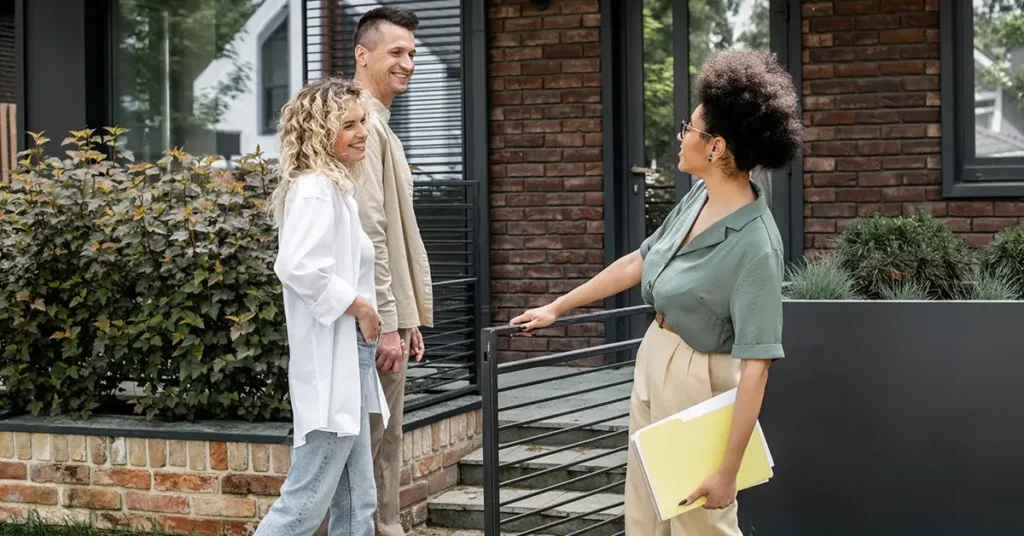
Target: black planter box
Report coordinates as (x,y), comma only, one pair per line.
(897,418)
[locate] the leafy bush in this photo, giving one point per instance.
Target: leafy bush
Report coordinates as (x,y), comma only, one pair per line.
(820,280)
(159,273)
(881,251)
(1004,257)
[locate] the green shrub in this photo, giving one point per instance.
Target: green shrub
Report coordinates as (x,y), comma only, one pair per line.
(159,273)
(1004,257)
(881,251)
(820,280)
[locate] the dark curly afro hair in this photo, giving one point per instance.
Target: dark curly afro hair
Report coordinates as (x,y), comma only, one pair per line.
(750,101)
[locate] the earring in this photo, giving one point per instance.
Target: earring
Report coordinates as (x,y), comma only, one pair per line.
(711,158)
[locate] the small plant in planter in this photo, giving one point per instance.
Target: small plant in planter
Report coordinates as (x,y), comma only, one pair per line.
(822,279)
(1003,260)
(905,256)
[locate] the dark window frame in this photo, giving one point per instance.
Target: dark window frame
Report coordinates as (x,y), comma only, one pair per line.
(963,174)
(265,89)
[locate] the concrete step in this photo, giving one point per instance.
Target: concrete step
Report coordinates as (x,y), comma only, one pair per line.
(563,397)
(463,508)
(431,531)
(608,460)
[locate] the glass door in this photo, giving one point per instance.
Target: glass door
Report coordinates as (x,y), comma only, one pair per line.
(666,42)
(676,38)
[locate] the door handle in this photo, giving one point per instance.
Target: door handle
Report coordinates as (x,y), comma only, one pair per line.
(644,170)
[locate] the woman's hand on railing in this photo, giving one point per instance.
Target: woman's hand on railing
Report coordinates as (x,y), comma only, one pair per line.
(539,317)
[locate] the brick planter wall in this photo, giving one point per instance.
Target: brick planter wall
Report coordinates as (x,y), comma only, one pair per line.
(546,168)
(430,461)
(201,487)
(872,111)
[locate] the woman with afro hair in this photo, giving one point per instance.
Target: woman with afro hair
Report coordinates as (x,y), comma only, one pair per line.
(713,273)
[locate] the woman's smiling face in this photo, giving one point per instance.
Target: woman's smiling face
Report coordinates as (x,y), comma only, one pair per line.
(350,143)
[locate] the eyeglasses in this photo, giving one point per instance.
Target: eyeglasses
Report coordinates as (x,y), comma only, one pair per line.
(685,126)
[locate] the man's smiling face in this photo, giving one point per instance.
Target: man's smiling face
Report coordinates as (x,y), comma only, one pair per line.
(391,62)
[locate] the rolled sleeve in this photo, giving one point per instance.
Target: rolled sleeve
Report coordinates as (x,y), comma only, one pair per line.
(335,300)
(305,261)
(756,308)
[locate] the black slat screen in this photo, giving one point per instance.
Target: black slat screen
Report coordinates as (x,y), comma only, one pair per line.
(8,68)
(428,119)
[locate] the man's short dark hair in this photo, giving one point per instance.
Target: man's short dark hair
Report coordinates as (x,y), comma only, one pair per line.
(366,30)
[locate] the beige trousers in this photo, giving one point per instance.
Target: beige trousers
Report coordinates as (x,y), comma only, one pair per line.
(387,449)
(387,453)
(670,377)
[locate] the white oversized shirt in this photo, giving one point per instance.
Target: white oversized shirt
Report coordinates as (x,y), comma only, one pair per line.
(324,261)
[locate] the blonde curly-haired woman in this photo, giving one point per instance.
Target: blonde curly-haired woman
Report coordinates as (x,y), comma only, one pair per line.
(325,262)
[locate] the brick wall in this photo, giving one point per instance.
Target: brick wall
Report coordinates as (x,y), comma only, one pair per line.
(871,108)
(430,461)
(201,487)
(546,176)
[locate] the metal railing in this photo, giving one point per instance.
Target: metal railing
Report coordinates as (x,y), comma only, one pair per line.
(556,436)
(448,368)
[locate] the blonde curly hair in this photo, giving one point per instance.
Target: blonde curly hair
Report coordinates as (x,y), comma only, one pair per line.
(309,124)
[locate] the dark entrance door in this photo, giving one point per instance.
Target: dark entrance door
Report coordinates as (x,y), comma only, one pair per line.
(665,44)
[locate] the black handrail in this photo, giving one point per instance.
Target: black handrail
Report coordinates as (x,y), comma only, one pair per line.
(535,426)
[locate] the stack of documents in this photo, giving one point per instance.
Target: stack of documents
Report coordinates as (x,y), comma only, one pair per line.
(678,453)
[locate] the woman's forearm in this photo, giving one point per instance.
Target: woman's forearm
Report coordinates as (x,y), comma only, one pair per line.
(749,395)
(620,275)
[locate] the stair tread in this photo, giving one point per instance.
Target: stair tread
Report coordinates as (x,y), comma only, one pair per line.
(435,531)
(559,458)
(568,385)
(468,498)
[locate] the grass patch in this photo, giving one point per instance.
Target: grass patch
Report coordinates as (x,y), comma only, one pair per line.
(35,526)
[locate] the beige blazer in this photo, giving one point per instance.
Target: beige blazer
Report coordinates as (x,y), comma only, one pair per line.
(384,194)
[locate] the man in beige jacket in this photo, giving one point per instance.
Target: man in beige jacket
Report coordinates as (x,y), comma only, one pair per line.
(384,50)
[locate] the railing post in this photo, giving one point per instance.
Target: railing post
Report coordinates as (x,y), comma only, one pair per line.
(489,399)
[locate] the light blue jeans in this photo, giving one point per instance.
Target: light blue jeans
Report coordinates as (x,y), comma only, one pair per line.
(330,473)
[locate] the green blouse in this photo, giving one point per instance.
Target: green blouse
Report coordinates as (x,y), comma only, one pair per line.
(721,293)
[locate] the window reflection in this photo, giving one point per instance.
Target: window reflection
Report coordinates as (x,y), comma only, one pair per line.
(185,74)
(713,25)
(998,55)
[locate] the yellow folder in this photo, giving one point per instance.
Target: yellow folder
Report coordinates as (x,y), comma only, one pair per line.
(677,453)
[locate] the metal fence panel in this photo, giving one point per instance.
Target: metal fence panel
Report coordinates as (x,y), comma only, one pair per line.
(430,120)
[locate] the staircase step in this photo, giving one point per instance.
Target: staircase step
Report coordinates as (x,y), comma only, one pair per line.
(471,467)
(463,508)
(563,393)
(432,531)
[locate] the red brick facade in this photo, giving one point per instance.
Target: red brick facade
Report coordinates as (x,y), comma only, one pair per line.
(872,111)
(871,95)
(546,173)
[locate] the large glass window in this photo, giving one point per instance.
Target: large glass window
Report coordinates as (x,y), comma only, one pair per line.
(185,74)
(998,57)
(983,70)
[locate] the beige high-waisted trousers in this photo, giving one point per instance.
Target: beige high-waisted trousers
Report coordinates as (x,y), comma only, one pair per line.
(670,377)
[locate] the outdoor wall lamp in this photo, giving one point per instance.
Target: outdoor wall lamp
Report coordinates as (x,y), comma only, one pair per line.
(541,4)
